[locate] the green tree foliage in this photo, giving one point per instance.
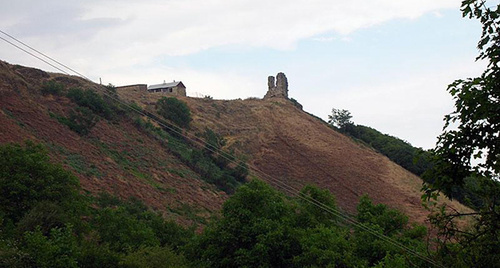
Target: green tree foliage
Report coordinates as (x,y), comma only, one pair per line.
(59,249)
(213,141)
(471,133)
(129,225)
(147,257)
(390,223)
(258,227)
(174,110)
(401,152)
(340,118)
(27,177)
(123,231)
(212,162)
(253,231)
(415,160)
(312,215)
(91,100)
(91,107)
(46,222)
(390,220)
(477,106)
(262,228)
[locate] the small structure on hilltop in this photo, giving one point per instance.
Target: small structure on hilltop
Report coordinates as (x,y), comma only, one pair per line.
(176,88)
(278,90)
(136,87)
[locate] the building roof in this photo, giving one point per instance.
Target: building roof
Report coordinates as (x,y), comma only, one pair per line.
(166,85)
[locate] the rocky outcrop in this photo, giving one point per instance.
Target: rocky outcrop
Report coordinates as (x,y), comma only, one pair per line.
(278,89)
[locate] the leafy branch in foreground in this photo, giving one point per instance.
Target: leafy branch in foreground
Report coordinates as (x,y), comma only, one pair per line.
(469,147)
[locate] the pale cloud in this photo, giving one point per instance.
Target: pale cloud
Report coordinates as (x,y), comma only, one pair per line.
(123,33)
(325,38)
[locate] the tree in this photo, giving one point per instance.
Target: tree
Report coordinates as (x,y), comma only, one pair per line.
(174,110)
(254,231)
(340,118)
(471,133)
(477,110)
(27,177)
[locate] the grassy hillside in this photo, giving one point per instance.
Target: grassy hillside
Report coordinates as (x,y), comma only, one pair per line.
(126,156)
(115,156)
(290,145)
(88,182)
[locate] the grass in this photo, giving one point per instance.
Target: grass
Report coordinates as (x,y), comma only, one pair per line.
(179,173)
(9,113)
(119,157)
(81,166)
(76,161)
(12,116)
(151,181)
(190,212)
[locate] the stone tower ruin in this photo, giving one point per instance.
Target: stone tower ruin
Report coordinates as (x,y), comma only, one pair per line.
(278,89)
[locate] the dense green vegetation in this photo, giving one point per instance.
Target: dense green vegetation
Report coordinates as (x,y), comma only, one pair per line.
(91,107)
(174,110)
(215,165)
(52,88)
(46,222)
(401,152)
(261,228)
(51,224)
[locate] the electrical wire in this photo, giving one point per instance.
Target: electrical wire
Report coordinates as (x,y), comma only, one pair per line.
(278,183)
(33,55)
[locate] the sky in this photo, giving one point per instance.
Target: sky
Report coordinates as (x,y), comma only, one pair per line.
(388,62)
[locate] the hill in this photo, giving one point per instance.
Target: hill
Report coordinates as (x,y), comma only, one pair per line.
(273,135)
(115,156)
(291,145)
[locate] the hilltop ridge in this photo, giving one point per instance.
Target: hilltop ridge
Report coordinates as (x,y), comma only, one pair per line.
(291,145)
(272,134)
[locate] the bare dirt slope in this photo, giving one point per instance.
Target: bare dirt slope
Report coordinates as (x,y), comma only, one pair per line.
(293,146)
(116,157)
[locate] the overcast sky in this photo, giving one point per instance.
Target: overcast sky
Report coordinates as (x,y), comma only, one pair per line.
(387,61)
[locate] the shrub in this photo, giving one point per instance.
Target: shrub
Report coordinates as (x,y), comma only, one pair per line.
(81,120)
(52,88)
(111,88)
(44,216)
(174,110)
(93,255)
(91,100)
(213,141)
(296,103)
(153,257)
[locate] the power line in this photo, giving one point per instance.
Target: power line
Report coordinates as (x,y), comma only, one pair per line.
(34,55)
(289,189)
(28,46)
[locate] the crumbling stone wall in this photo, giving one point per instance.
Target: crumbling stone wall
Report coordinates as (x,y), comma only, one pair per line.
(278,89)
